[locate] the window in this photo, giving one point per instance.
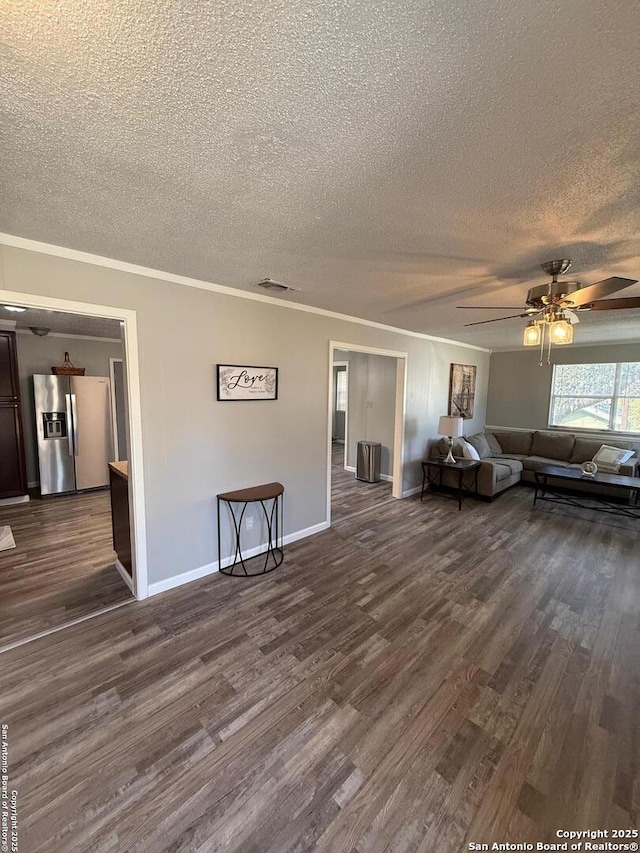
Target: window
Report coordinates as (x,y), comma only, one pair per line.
(596,396)
(341,391)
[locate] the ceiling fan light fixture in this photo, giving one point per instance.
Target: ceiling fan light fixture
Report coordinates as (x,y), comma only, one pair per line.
(561,332)
(532,334)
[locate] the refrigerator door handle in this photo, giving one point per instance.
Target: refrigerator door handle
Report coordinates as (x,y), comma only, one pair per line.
(70,425)
(74,424)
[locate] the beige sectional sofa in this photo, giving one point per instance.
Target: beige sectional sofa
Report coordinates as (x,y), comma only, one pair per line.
(512,456)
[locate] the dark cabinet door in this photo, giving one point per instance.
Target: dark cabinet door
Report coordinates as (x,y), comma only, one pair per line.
(13,479)
(9,387)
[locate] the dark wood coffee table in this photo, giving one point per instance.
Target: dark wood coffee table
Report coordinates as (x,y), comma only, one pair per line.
(568,477)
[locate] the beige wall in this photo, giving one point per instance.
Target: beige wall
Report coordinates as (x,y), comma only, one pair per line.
(38,355)
(194,446)
(519,389)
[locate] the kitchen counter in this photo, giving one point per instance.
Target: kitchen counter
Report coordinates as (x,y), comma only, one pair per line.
(119,482)
(121,468)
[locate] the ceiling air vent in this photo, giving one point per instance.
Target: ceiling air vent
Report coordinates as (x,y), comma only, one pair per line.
(270,284)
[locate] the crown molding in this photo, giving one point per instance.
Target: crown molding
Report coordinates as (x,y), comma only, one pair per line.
(135,269)
(70,335)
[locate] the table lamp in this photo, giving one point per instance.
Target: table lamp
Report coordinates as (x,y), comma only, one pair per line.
(450,427)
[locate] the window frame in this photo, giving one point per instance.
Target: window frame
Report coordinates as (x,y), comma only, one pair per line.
(615,397)
(342,372)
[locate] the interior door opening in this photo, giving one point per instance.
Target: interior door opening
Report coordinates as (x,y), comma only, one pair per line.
(62,567)
(366,420)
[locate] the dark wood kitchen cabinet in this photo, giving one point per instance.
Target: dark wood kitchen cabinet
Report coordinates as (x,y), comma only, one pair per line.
(13,474)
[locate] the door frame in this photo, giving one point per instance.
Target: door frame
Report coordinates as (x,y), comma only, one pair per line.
(399,415)
(128,322)
(344,364)
(114,413)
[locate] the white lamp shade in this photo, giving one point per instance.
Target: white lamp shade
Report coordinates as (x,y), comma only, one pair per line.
(451,426)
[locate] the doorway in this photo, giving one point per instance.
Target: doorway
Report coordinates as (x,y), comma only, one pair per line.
(367,388)
(69,560)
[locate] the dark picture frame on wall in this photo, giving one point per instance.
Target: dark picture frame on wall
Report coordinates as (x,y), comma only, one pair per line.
(462,390)
(236,382)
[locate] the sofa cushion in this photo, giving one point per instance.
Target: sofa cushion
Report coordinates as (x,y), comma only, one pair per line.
(515,442)
(514,465)
(534,463)
(493,443)
(481,444)
(584,450)
(503,471)
(553,445)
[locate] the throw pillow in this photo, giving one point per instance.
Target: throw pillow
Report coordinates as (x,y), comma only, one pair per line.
(494,445)
(481,444)
(469,451)
(609,459)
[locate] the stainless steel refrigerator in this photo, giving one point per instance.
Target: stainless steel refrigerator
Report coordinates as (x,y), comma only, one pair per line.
(73,428)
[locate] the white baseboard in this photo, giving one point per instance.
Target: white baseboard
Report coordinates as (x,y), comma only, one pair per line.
(125,575)
(386,477)
(409,492)
(21,499)
(306,532)
(180,580)
(212,568)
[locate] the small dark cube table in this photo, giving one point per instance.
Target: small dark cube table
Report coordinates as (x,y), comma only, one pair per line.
(461,467)
(255,494)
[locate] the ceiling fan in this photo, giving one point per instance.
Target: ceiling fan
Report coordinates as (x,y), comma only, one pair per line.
(555,306)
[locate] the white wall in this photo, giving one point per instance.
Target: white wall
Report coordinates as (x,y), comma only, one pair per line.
(520,389)
(372,401)
(194,446)
(39,355)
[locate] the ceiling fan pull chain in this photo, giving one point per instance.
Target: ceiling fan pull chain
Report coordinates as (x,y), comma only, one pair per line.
(541,344)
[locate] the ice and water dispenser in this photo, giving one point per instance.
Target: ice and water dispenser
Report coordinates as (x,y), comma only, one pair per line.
(55,424)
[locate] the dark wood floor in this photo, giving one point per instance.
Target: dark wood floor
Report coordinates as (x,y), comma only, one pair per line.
(411,680)
(63,565)
(350,496)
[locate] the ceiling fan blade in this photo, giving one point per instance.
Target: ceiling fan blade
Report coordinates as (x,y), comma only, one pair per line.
(497,319)
(490,307)
(597,290)
(613,304)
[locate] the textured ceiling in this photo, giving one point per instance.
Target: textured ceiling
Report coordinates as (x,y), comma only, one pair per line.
(63,323)
(392,158)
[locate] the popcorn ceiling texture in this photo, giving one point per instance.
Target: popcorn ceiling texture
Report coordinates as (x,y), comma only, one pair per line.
(392,158)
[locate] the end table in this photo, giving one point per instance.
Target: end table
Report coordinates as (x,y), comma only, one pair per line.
(432,470)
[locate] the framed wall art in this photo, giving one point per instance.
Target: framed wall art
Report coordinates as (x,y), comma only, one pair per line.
(462,390)
(246,382)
